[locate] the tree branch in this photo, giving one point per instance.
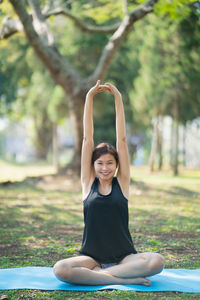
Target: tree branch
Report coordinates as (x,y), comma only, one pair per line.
(142,10)
(80,24)
(39,22)
(58,66)
(125,7)
(49,53)
(118,37)
(12,26)
(9,27)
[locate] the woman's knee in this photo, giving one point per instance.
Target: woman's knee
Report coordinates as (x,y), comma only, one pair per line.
(157,262)
(62,270)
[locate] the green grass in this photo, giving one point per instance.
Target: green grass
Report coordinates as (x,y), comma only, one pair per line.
(18,172)
(42,222)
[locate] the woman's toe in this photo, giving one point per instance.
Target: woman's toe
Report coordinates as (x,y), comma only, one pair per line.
(147,282)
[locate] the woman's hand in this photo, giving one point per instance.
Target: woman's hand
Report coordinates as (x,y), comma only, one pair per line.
(107,87)
(111,89)
(96,89)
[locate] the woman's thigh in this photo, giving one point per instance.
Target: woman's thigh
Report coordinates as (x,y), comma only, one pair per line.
(77,261)
(144,255)
(136,265)
(135,257)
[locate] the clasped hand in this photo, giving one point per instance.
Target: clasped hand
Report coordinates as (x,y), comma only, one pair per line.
(106,87)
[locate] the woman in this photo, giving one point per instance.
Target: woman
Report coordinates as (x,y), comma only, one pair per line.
(107,255)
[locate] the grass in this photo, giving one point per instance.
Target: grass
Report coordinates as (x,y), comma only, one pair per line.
(41,222)
(17,172)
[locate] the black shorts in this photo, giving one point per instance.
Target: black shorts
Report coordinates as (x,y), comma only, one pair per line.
(105,266)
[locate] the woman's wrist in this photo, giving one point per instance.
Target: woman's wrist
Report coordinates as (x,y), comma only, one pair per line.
(118,97)
(89,95)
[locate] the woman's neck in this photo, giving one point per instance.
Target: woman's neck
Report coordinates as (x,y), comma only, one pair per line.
(105,186)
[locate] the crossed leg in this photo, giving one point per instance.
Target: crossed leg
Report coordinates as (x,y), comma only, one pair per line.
(138,265)
(131,270)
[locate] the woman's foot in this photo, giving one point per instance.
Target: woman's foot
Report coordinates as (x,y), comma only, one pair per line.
(139,280)
(136,280)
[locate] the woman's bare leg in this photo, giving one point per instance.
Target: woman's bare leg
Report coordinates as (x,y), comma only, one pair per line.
(80,270)
(138,265)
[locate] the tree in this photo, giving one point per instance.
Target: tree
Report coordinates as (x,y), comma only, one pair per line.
(33,21)
(40,37)
(168,81)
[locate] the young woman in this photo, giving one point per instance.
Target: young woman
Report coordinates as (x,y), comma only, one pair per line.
(107,255)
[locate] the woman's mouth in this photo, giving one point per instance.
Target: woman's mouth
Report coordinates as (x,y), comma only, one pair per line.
(105,173)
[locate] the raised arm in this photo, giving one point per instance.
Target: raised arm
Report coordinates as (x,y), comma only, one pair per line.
(87,170)
(123,174)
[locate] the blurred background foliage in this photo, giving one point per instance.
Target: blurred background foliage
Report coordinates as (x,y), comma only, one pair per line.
(156,69)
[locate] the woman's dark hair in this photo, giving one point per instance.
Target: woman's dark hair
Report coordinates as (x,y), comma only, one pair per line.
(104,148)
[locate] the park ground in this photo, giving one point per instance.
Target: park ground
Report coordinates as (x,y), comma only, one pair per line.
(41,222)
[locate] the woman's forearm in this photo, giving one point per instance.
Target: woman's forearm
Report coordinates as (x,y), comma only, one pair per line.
(88,128)
(119,109)
(120,119)
(121,144)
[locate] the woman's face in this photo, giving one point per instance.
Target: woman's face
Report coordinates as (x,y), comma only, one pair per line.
(105,166)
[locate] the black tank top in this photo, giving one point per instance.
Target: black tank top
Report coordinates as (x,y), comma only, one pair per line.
(106,236)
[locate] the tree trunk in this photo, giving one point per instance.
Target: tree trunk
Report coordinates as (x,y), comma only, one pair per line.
(172,144)
(55,148)
(184,144)
(176,139)
(132,152)
(154,145)
(77,121)
(42,40)
(160,143)
(176,148)
(43,135)
(76,108)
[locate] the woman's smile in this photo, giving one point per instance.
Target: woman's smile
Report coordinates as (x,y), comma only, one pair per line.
(105,173)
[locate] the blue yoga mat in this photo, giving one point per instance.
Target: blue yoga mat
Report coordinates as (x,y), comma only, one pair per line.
(42,278)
